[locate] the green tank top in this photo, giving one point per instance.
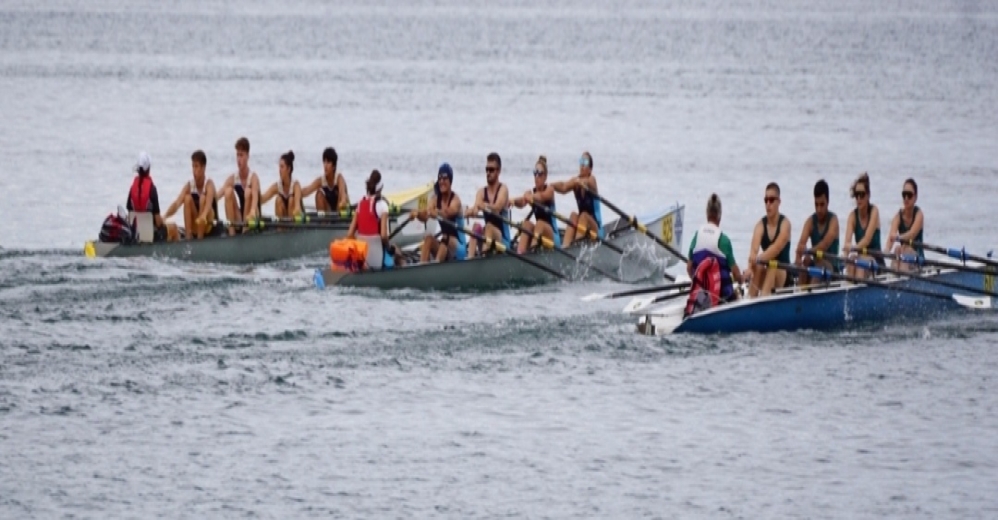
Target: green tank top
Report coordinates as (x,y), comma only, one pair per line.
(858,232)
(818,234)
(784,256)
(903,228)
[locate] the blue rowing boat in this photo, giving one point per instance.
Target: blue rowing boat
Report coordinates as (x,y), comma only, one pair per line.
(830,306)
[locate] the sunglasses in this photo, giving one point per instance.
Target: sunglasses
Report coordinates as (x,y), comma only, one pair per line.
(770,200)
(859,194)
(490,169)
(443,178)
(538,173)
(907,194)
(583,161)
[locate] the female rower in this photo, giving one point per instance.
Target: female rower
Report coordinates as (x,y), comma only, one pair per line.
(541,199)
(446,206)
(863,226)
(287,190)
(370,224)
(583,187)
(907,226)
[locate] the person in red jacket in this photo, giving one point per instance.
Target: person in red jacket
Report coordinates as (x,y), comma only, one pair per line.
(143,197)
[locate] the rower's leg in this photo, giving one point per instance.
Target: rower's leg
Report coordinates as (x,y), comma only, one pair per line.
(570,230)
(205,227)
(232,213)
(172,232)
(544,230)
(758,277)
(296,202)
(280,208)
(588,224)
(444,249)
(320,203)
(473,245)
(772,278)
(427,249)
(802,276)
(189,217)
(525,238)
(896,263)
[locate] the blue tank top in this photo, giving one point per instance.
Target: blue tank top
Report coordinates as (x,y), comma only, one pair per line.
(858,231)
(784,255)
(448,229)
(904,228)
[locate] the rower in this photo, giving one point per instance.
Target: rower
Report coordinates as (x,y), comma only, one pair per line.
(772,235)
(445,204)
(370,224)
(709,242)
(198,199)
(330,188)
(493,201)
(907,226)
(286,189)
(241,190)
(863,227)
(143,197)
(541,198)
(584,188)
(822,229)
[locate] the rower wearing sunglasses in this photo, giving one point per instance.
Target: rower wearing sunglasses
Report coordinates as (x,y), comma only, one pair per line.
(907,225)
(541,199)
(445,204)
(492,201)
(772,236)
(583,187)
(863,226)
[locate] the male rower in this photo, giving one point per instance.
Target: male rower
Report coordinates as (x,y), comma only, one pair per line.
(446,205)
(287,191)
(241,190)
(583,187)
(198,200)
(330,188)
(822,229)
(772,236)
(143,197)
(541,199)
(493,201)
(710,244)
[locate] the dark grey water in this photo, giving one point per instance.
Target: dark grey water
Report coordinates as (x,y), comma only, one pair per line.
(141,387)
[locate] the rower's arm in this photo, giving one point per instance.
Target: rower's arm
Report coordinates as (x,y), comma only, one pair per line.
(269,194)
(830,236)
(545,197)
(352,231)
(453,209)
(850,225)
(502,200)
(564,187)
(312,187)
(384,227)
(344,201)
(479,203)
(871,228)
(170,211)
(253,197)
(209,195)
(224,190)
(782,239)
(756,244)
(805,234)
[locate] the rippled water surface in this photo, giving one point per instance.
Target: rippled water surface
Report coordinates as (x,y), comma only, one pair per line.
(134,388)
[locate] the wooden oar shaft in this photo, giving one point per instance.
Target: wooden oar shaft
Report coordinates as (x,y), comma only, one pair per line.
(591,234)
(877,268)
(633,221)
(550,244)
(824,274)
(959,254)
(400,228)
(503,249)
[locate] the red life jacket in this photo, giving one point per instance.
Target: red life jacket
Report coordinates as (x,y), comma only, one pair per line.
(705,291)
(368,221)
(141,189)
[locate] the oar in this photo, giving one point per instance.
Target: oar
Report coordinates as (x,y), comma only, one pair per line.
(638,225)
(919,261)
(639,304)
(488,242)
(877,268)
(647,290)
(959,254)
(400,228)
(548,243)
(588,233)
(824,274)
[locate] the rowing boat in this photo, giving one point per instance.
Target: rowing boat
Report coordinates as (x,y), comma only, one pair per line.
(642,258)
(267,245)
(831,306)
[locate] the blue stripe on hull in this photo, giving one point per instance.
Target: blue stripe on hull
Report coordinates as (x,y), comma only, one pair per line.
(832,309)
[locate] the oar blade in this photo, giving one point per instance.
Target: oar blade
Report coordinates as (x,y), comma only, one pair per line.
(974,302)
(594,297)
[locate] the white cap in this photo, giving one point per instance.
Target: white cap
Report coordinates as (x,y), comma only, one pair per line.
(143,163)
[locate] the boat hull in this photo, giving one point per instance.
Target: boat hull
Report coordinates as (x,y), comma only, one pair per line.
(642,258)
(257,247)
(837,306)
